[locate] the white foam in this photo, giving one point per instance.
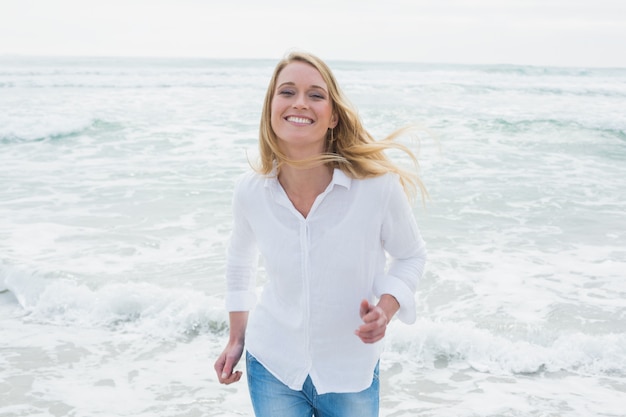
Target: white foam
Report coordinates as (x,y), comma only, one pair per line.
(484,351)
(27,124)
(140,307)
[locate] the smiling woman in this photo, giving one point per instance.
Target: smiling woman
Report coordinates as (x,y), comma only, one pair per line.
(325,210)
(301,112)
(347,144)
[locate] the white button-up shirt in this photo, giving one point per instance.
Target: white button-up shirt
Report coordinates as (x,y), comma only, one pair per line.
(359,241)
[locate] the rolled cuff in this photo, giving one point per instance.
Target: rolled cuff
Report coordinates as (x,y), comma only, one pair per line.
(240,301)
(402,293)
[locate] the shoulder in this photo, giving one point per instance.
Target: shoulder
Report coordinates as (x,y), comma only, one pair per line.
(382,183)
(380,191)
(250,180)
(247,185)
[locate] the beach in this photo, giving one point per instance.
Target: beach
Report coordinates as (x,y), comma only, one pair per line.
(116,179)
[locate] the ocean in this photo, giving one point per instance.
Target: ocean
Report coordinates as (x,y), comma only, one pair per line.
(116,177)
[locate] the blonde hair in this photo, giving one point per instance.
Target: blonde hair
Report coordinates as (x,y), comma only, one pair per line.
(349,146)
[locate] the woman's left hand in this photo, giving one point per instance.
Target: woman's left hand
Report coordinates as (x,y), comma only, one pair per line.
(374,325)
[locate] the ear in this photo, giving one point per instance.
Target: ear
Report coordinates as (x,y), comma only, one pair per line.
(333,121)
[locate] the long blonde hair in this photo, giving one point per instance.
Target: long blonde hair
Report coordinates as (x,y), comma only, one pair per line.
(349,146)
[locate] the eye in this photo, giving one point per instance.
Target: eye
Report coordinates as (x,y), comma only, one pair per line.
(286,92)
(317,96)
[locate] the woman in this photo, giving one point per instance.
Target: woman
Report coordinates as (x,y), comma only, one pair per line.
(324,210)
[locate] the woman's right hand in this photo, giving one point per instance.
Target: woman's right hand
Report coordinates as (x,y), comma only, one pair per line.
(226,362)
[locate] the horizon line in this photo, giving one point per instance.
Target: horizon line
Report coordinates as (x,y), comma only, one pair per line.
(343,60)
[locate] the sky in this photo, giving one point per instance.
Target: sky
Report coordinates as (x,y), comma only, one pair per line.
(579,33)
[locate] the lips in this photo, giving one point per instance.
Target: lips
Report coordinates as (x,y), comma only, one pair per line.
(299,120)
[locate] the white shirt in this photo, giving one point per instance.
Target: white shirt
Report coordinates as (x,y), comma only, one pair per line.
(319,268)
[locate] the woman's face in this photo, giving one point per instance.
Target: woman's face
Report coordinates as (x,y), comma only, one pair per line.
(301,111)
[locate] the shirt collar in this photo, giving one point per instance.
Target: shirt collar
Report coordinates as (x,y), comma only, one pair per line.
(339,178)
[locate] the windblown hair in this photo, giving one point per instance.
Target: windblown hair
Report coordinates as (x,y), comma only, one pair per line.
(349,146)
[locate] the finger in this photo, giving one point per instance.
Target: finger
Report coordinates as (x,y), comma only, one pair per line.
(371,335)
(229,377)
(219,366)
(370,338)
(368,327)
(364,308)
(374,328)
(234,377)
(229,365)
(373,315)
(371,323)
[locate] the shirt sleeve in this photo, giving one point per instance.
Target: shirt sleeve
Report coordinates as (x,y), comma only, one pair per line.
(242,257)
(403,243)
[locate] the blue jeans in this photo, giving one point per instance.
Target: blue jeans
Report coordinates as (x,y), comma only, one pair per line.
(272,398)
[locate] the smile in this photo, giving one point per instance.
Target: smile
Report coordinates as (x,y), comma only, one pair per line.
(299,120)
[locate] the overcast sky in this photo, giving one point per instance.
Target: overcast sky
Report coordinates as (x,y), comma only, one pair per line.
(535,32)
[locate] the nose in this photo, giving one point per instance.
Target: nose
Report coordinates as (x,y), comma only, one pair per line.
(300,102)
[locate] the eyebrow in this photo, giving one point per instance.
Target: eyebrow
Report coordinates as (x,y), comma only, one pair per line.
(291,83)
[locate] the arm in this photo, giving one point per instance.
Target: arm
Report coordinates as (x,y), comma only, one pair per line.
(403,243)
(226,362)
(240,284)
(395,289)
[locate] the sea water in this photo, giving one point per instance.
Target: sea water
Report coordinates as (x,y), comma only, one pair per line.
(116,178)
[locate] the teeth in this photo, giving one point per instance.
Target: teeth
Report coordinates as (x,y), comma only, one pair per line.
(300,120)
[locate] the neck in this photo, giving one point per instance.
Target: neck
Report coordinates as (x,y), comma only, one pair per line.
(304,185)
(305,182)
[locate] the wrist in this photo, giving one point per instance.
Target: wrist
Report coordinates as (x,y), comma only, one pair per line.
(236,340)
(237,327)
(390,306)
